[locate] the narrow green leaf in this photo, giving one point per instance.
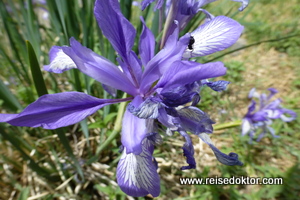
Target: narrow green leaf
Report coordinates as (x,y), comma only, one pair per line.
(9,99)
(64,140)
(32,164)
(227,125)
(24,194)
(37,76)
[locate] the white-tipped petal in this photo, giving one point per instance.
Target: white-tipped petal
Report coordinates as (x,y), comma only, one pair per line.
(59,61)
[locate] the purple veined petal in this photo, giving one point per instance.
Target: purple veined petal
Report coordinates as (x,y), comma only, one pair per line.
(218,86)
(59,61)
(230,159)
(149,109)
(184,72)
(195,120)
(181,95)
(292,114)
(98,67)
(244,4)
(133,129)
(168,120)
(147,44)
(163,60)
(188,151)
(116,28)
(246,126)
(53,111)
(215,35)
(136,174)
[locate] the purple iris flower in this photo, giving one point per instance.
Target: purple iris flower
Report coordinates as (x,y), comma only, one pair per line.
(260,117)
(171,101)
(184,10)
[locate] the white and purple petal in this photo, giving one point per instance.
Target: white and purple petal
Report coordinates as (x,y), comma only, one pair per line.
(195,120)
(136,174)
(59,61)
(53,111)
(215,35)
(218,86)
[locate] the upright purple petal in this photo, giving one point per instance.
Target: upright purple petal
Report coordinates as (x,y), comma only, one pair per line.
(133,130)
(98,67)
(215,35)
(163,60)
(147,44)
(136,174)
(53,111)
(116,28)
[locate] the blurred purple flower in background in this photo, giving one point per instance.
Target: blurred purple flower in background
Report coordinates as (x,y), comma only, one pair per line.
(262,116)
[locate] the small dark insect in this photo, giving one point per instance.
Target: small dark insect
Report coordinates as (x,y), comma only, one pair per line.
(192,41)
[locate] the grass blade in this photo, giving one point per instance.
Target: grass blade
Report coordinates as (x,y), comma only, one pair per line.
(37,76)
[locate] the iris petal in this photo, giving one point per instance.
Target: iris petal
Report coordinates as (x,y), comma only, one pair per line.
(230,159)
(136,174)
(53,111)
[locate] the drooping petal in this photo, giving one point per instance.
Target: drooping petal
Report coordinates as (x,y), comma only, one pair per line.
(195,120)
(292,114)
(116,28)
(188,151)
(59,61)
(98,67)
(133,130)
(147,44)
(136,174)
(53,111)
(230,159)
(215,35)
